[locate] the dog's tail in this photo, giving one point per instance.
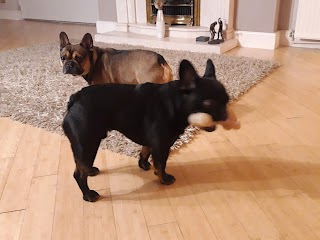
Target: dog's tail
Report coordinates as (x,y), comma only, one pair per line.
(167,71)
(73,98)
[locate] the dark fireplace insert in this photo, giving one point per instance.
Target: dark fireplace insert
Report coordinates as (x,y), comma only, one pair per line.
(176,12)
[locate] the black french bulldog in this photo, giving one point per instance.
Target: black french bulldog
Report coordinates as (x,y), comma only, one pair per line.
(152,115)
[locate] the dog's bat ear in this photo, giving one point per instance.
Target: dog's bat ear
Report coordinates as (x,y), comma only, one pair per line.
(210,70)
(187,75)
(64,40)
(87,41)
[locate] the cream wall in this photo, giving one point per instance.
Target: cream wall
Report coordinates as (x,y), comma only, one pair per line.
(12,5)
(257,15)
(265,15)
(107,10)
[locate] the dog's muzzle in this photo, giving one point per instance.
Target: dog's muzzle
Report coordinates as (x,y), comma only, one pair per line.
(72,67)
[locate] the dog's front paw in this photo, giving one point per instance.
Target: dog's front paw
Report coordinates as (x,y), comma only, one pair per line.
(144,164)
(167,179)
(93,171)
(91,196)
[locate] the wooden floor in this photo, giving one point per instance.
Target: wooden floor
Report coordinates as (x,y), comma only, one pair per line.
(261,182)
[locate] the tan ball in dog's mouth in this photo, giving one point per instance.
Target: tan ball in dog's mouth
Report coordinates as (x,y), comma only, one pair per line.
(206,122)
(201,120)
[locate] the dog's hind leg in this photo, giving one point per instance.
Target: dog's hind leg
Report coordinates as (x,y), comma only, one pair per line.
(144,156)
(81,176)
(84,168)
(85,136)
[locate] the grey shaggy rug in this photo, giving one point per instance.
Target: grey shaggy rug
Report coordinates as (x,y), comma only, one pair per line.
(34,90)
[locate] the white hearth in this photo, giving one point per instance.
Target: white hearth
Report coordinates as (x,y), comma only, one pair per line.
(132,28)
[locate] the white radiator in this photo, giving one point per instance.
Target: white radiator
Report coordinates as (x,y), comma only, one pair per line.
(308,20)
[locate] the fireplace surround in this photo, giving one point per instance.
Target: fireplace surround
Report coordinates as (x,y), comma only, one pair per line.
(133,27)
(132,14)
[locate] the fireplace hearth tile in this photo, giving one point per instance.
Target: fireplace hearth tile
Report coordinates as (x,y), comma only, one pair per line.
(184,44)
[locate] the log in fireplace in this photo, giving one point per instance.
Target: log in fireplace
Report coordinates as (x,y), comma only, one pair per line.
(176,12)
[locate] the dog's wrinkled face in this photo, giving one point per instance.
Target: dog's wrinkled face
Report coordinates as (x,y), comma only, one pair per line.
(203,94)
(75,59)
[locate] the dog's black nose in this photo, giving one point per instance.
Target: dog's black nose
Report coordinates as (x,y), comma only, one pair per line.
(69,68)
(70,64)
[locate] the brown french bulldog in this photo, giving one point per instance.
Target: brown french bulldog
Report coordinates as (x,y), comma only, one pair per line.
(97,65)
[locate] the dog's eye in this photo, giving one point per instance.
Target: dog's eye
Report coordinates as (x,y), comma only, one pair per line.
(63,58)
(78,59)
(208,103)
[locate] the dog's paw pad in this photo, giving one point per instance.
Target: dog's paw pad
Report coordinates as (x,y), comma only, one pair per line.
(145,165)
(93,171)
(91,196)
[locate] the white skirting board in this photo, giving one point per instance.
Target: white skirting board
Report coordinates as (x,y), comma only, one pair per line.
(105,26)
(286,40)
(10,14)
(260,40)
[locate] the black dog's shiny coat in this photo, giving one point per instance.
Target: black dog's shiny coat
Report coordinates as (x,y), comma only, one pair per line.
(152,115)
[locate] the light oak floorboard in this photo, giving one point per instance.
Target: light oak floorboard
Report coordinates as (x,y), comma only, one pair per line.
(170,231)
(154,200)
(10,223)
(68,216)
(10,138)
(16,192)
(40,209)
(49,153)
(128,214)
(5,165)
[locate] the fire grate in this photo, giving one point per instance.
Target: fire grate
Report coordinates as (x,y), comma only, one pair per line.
(176,12)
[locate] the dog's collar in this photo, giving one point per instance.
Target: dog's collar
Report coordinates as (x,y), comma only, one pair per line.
(88,77)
